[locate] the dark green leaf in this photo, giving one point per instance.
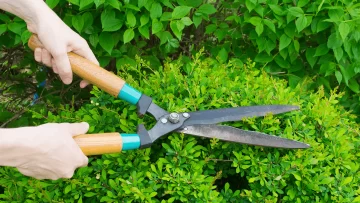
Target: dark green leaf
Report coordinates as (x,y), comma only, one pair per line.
(180,11)
(52,3)
(99,3)
(16,27)
(78,22)
(310,56)
(197,20)
(222,55)
(250,5)
(128,35)
(284,41)
(114,3)
(354,85)
(106,41)
(3,28)
(302,3)
(333,41)
(94,40)
(85,3)
(321,50)
(207,9)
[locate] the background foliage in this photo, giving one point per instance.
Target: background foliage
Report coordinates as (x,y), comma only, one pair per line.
(312,46)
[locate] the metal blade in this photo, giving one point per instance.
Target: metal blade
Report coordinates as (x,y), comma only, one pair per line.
(227,133)
(235,114)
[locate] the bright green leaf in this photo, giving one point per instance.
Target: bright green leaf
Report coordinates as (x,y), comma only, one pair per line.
(114,3)
(270,25)
(296,11)
(144,31)
(144,19)
(259,29)
(207,9)
(156,10)
(131,19)
(109,21)
(338,52)
(157,26)
(284,41)
(180,11)
(344,30)
(173,26)
(52,3)
(85,3)
(255,20)
(301,23)
(78,22)
(310,56)
(186,21)
(128,35)
(321,50)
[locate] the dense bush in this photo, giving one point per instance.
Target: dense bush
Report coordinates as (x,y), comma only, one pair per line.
(291,38)
(187,168)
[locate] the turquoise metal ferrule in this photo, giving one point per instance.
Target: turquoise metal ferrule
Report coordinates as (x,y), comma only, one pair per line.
(129,94)
(130,141)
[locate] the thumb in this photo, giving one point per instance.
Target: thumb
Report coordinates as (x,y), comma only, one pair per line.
(78,128)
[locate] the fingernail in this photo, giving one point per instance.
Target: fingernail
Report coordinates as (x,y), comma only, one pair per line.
(67,80)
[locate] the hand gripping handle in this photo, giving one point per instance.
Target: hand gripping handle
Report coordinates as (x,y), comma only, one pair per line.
(105,80)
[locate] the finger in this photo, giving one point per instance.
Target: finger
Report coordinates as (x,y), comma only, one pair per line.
(63,66)
(54,67)
(37,54)
(46,57)
(78,128)
(83,49)
(84,83)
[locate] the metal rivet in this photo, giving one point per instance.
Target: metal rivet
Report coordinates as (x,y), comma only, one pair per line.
(174,118)
(164,120)
(185,129)
(186,115)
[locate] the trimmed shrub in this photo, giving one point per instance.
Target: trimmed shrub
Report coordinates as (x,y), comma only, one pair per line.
(183,168)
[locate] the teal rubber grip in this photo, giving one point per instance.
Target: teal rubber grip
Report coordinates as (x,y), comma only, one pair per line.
(130,141)
(129,94)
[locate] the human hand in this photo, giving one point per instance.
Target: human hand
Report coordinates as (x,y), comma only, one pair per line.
(58,39)
(47,151)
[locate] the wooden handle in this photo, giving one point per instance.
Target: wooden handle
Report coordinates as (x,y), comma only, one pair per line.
(87,70)
(97,144)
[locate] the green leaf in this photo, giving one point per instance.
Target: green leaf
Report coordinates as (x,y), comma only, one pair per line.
(296,46)
(174,28)
(109,21)
(186,21)
(16,27)
(270,25)
(106,41)
(67,189)
(346,180)
(128,35)
(85,3)
(52,3)
(180,25)
(94,39)
(276,9)
(255,20)
(326,180)
(302,3)
(180,11)
(78,23)
(250,5)
(284,41)
(310,56)
(157,26)
(207,9)
(144,19)
(99,3)
(259,29)
(321,50)
(114,3)
(3,28)
(210,28)
(155,10)
(301,23)
(296,11)
(144,31)
(131,20)
(336,14)
(344,30)
(197,20)
(222,55)
(297,176)
(338,76)
(25,36)
(333,41)
(354,85)
(338,52)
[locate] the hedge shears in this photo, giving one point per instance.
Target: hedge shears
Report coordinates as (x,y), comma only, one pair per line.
(202,123)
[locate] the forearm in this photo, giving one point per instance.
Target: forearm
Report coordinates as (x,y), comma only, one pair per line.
(31,11)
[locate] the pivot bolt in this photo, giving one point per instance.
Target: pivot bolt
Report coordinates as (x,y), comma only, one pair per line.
(174,118)
(186,115)
(164,120)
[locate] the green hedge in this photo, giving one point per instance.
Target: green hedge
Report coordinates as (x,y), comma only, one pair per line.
(181,168)
(291,38)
